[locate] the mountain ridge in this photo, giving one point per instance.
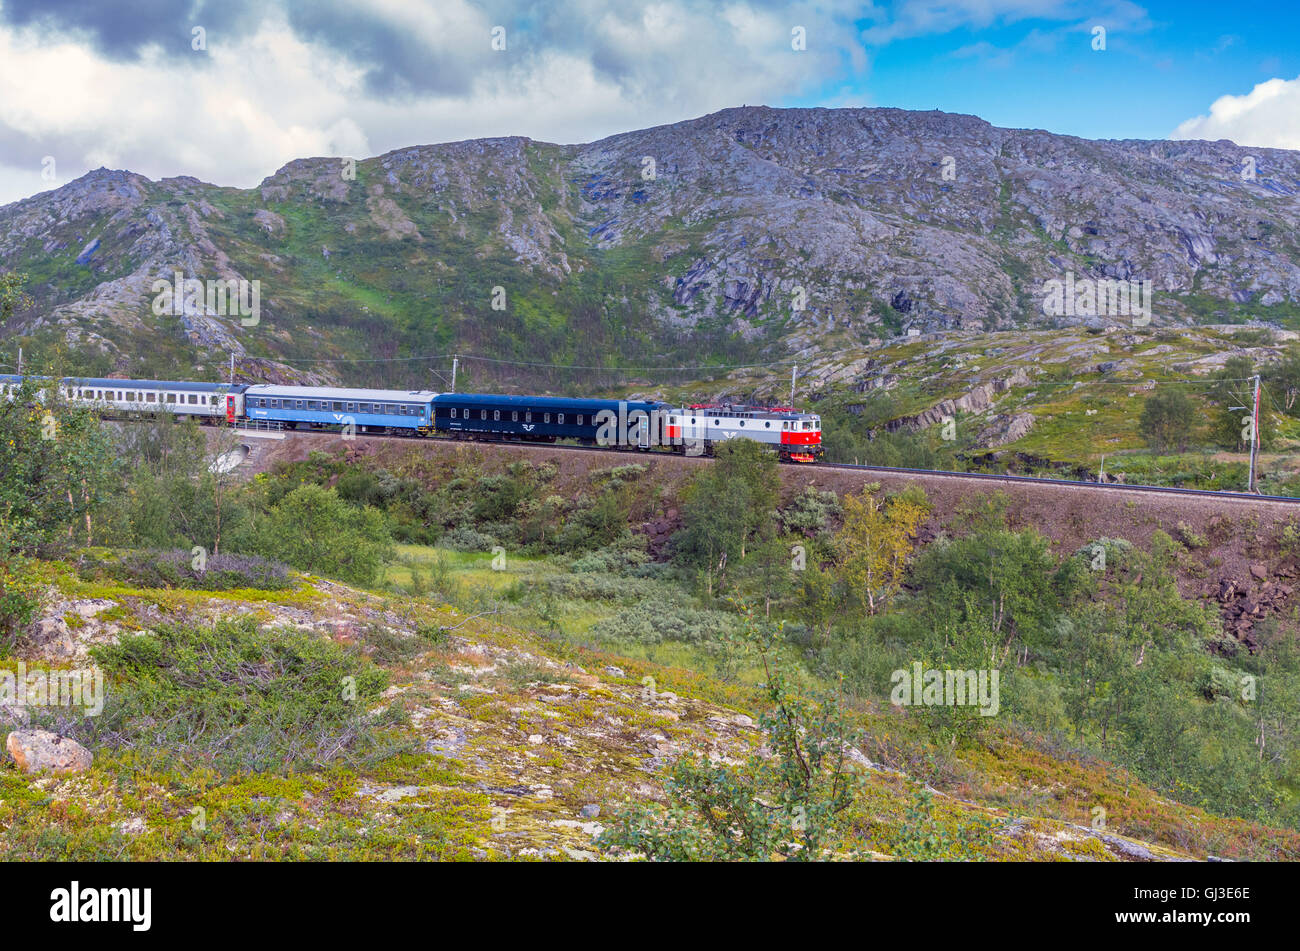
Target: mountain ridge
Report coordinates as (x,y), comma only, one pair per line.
(747,235)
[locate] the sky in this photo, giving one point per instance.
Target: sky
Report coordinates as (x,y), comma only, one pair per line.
(228,91)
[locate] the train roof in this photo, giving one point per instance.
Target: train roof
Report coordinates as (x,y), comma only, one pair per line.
(163,385)
(742,410)
(558,402)
(112,383)
(341,393)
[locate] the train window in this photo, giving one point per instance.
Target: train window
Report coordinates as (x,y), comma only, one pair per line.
(514,416)
(717,422)
(496,414)
(453,412)
(391,409)
(482,414)
(352,407)
(528,416)
(338,407)
(579,419)
(742,422)
(193,398)
(767,424)
(546,418)
(560,419)
(298,404)
(692,420)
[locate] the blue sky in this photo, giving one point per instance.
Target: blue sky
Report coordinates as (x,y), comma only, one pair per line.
(1156,72)
(229,91)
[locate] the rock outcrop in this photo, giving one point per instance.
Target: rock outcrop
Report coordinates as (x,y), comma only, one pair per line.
(796,229)
(39,751)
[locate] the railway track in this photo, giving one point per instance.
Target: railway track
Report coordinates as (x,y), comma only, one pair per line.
(1072,483)
(985,477)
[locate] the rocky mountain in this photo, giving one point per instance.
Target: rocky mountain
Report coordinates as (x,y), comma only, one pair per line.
(752,235)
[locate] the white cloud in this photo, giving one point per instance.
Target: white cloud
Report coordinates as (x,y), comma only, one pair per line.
(1266,117)
(268,94)
(911,18)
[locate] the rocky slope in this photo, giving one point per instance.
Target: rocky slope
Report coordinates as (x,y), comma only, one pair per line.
(753,234)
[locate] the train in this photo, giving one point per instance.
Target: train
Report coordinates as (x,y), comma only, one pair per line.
(692,429)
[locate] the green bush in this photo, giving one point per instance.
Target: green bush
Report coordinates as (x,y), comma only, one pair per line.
(810,512)
(653,621)
(234,697)
(787,805)
(20,595)
(314,530)
(181,569)
(612,559)
(464,538)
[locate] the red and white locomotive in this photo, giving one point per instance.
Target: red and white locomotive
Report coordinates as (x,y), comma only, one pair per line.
(795,436)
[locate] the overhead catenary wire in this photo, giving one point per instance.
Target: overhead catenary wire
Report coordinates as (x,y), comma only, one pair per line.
(774,365)
(550,366)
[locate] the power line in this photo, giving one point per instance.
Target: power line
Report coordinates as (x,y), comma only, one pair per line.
(562,366)
(1249,379)
(549,366)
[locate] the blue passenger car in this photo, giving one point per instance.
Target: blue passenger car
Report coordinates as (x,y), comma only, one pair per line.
(546,419)
(315,407)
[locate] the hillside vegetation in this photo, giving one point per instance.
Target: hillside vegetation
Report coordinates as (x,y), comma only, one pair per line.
(435,658)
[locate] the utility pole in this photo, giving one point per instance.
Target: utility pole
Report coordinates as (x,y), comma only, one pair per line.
(20,361)
(1254,436)
(454,361)
(793,373)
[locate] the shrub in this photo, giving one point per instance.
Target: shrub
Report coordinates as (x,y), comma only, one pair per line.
(612,559)
(651,622)
(787,805)
(1166,421)
(1190,537)
(596,586)
(810,512)
(180,569)
(465,538)
(497,498)
(235,697)
(314,530)
(20,596)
